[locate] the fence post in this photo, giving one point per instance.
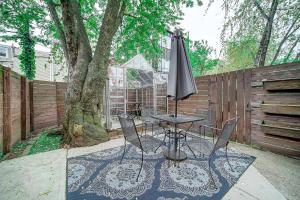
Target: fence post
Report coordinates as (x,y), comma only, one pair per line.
(31,106)
(6,109)
(23,107)
(57,106)
(247,84)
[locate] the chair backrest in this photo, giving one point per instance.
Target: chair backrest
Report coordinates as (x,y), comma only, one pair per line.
(129,130)
(147,112)
(226,132)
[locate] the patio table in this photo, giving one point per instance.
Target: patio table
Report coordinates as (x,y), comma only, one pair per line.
(176,154)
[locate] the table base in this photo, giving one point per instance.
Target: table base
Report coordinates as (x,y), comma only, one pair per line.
(179,156)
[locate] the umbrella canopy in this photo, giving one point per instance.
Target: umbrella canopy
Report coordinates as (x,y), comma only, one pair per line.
(181,83)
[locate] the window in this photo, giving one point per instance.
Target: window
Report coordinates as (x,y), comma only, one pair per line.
(3,51)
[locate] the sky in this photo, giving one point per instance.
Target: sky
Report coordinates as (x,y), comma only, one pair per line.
(203,26)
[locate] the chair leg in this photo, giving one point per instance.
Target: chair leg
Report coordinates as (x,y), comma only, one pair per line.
(146,127)
(186,143)
(213,134)
(161,143)
(152,128)
(210,173)
(123,152)
(228,159)
(137,178)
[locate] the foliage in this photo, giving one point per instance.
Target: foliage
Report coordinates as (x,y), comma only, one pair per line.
(141,31)
(18,20)
(132,74)
(19,146)
(286,59)
(199,54)
(240,53)
(46,142)
(248,18)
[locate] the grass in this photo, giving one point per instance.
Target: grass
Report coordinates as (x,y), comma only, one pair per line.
(46,142)
(19,146)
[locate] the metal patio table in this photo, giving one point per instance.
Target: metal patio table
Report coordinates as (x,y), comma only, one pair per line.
(175,154)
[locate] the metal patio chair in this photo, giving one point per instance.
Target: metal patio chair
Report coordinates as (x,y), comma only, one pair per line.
(202,126)
(222,142)
(144,143)
(147,120)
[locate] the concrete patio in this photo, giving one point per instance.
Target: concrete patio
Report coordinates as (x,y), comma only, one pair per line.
(43,176)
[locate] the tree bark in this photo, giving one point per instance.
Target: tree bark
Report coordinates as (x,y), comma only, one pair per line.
(260,57)
(87,72)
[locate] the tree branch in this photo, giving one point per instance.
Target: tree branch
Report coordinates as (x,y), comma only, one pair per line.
(110,24)
(286,36)
(97,71)
(292,49)
(129,15)
(261,9)
(81,29)
(70,29)
(59,28)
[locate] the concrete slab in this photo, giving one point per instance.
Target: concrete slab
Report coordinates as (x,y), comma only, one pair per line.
(43,177)
(257,185)
(86,150)
(252,185)
(281,171)
(235,193)
(35,177)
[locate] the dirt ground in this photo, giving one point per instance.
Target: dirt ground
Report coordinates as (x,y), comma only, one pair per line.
(281,171)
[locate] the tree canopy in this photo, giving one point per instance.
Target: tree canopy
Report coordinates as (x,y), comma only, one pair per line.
(18,22)
(275,25)
(199,54)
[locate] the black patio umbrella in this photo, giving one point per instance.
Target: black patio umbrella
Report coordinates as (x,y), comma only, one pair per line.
(181,83)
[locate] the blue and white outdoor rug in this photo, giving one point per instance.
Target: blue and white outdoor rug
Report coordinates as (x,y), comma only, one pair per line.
(99,175)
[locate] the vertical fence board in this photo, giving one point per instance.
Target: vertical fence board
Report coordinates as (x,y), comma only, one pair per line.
(213,98)
(240,106)
(232,99)
(247,96)
(225,97)
(31,106)
(219,101)
(23,107)
(44,98)
(6,109)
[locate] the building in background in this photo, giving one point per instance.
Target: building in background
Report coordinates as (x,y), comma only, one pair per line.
(46,70)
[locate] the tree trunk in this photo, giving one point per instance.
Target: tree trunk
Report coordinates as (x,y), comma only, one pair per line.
(261,54)
(86,72)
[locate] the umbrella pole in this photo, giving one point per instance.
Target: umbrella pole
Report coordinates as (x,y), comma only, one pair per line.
(175,108)
(176,101)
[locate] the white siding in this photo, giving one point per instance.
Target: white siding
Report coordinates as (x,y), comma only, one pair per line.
(43,65)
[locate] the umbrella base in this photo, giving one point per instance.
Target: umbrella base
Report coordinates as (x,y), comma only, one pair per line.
(178,156)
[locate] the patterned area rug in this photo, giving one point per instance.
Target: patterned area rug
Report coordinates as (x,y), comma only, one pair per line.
(99,175)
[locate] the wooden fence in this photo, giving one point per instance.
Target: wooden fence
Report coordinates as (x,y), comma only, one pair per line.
(27,107)
(229,95)
(266,100)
